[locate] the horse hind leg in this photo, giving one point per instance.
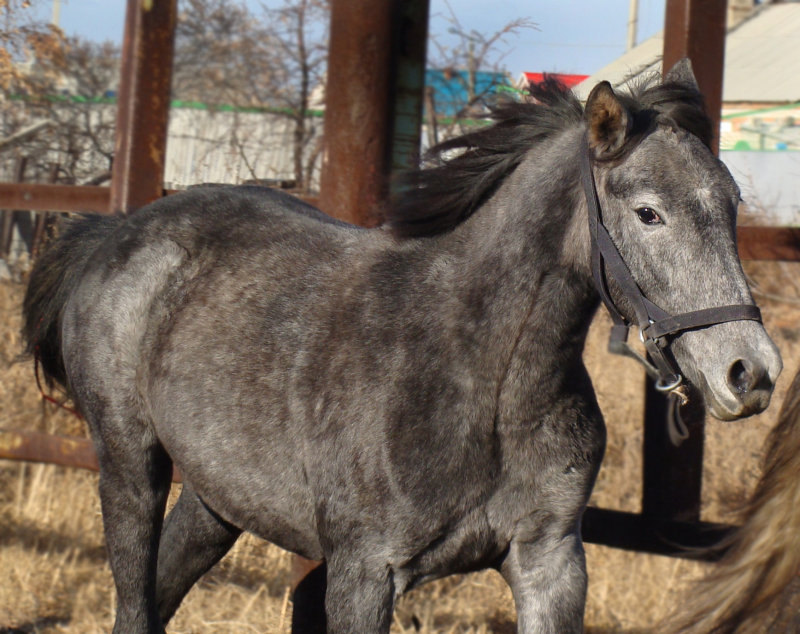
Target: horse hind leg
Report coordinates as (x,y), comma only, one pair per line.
(135,476)
(194,538)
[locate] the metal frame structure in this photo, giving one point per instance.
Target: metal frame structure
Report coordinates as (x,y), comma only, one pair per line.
(372,127)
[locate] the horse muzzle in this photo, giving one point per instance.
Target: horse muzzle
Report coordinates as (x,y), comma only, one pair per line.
(743,384)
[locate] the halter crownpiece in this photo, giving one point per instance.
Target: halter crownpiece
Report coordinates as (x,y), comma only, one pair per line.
(656,326)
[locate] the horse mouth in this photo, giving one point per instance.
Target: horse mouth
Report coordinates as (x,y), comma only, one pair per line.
(720,412)
(725,405)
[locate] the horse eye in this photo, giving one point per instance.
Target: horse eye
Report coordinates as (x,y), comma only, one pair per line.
(648,216)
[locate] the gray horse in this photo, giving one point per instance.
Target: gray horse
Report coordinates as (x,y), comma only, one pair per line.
(406,402)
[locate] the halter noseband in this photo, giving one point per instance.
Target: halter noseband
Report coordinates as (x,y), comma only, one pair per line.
(655,325)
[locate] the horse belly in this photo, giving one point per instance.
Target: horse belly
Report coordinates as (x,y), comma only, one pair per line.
(217,393)
(275,507)
(246,471)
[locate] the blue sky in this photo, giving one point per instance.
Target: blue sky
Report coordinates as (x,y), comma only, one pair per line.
(574,36)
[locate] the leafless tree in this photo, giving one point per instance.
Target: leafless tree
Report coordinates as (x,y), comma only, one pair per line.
(219,53)
(227,56)
(272,60)
(470,52)
(23,40)
(299,32)
(68,93)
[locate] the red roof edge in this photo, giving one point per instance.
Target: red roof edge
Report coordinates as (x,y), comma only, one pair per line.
(569,80)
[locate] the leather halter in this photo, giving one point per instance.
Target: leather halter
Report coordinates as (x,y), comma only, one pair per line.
(656,326)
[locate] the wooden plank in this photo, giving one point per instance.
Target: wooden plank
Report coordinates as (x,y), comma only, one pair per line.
(672,474)
(616,529)
(36,447)
(755,243)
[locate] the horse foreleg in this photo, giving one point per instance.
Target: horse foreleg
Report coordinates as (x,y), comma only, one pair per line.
(548,581)
(134,483)
(194,538)
(359,596)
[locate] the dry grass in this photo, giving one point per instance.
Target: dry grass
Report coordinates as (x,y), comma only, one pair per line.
(56,579)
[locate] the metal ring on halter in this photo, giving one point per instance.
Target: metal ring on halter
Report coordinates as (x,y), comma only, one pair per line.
(641,330)
(668,387)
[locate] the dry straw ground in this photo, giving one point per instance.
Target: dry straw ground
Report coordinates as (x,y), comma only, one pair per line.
(55,576)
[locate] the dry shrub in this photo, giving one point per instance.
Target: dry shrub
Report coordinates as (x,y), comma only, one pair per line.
(56,577)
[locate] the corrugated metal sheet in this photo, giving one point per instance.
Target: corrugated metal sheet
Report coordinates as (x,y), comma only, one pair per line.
(762,60)
(770,184)
(204,146)
(762,57)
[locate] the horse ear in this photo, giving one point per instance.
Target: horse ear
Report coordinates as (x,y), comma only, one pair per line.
(609,120)
(682,73)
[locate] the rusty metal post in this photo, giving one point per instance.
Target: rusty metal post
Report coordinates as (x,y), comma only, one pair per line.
(143,104)
(696,29)
(41,197)
(37,447)
(355,154)
(409,45)
(673,475)
(65,451)
(373,103)
(373,118)
(7,216)
(44,221)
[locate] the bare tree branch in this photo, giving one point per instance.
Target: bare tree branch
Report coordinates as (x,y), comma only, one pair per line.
(24,134)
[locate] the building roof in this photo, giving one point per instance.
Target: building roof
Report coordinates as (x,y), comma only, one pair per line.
(567,79)
(762,60)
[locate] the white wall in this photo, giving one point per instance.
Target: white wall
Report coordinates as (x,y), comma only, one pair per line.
(770,181)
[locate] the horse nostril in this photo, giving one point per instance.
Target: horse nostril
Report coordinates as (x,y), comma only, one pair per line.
(744,376)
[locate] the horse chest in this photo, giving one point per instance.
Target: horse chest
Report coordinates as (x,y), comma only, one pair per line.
(471,544)
(520,506)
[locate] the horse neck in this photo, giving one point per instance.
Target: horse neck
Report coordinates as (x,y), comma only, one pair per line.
(530,251)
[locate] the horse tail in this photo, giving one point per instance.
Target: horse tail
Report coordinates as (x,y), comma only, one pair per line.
(54,277)
(758,575)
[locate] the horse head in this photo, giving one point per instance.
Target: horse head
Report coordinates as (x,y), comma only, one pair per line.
(666,207)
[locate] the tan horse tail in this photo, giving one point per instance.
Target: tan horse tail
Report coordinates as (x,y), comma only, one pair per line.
(754,579)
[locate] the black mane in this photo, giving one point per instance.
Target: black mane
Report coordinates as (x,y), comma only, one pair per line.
(435,199)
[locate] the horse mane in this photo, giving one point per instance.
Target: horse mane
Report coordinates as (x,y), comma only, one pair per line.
(678,104)
(463,172)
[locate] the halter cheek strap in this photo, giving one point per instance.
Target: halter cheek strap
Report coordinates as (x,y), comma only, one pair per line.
(656,326)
